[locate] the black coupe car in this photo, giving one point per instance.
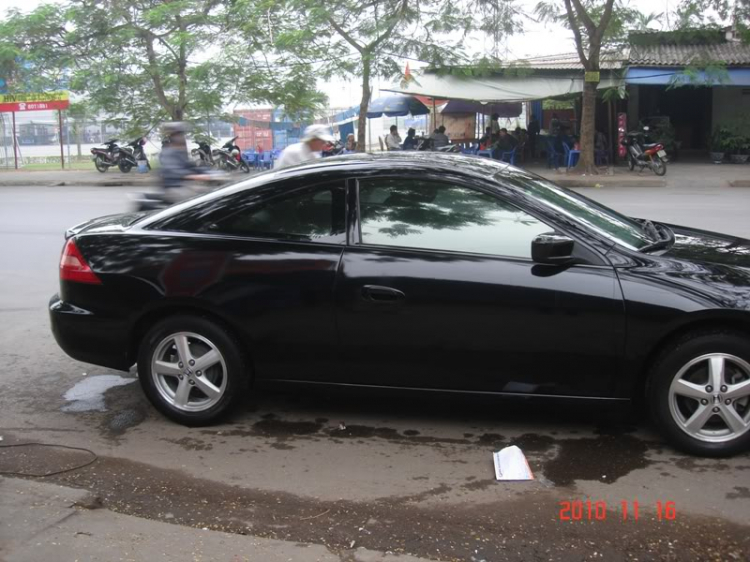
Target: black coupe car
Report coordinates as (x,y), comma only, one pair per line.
(415,271)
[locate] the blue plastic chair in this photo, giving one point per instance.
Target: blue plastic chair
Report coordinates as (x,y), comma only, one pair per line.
(486,153)
(266,162)
(471,150)
(571,156)
(510,155)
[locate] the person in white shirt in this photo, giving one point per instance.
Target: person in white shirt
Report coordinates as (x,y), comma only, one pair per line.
(313,141)
(393,140)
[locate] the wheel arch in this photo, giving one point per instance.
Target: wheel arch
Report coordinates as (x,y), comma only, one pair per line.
(737,323)
(146,320)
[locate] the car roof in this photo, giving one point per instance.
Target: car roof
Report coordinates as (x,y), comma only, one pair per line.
(485,168)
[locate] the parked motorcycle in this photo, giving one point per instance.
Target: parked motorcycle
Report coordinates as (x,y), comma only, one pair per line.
(644,154)
(203,155)
(104,158)
(131,154)
(229,157)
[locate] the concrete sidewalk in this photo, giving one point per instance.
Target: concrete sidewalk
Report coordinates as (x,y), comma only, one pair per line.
(42,521)
(679,175)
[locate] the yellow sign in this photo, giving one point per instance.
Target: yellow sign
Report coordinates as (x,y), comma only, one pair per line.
(34,97)
(592,76)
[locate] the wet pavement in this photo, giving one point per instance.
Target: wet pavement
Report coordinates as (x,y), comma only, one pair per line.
(347,470)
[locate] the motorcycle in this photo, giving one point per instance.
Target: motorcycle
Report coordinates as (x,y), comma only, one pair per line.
(334,149)
(104,158)
(229,157)
(644,154)
(203,155)
(131,154)
(154,201)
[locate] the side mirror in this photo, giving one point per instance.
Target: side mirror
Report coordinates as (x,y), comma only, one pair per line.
(552,249)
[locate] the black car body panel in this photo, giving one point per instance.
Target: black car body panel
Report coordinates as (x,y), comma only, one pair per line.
(447,321)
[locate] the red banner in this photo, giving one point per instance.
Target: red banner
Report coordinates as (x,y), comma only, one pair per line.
(35,105)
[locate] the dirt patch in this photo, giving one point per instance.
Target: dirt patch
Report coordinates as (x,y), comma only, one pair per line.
(470,532)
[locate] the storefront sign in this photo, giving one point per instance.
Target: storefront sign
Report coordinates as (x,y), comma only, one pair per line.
(34,101)
(591,76)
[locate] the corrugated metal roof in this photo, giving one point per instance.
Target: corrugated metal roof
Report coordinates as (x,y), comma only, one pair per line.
(731,54)
(570,61)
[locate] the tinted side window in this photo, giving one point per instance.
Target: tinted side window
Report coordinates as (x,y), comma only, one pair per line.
(441,216)
(312,214)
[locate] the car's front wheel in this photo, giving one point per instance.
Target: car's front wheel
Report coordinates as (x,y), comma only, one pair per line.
(191,369)
(699,393)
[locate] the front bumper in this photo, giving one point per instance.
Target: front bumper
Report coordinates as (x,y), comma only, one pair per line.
(89,338)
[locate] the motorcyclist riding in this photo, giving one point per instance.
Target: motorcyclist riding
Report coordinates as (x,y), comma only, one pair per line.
(177,169)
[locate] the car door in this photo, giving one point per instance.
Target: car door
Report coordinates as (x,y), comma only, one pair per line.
(266,259)
(437,289)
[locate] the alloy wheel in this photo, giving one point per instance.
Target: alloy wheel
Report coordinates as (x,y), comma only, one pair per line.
(709,398)
(189,372)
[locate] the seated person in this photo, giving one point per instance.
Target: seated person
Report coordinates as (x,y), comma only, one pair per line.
(439,138)
(410,142)
(393,140)
(351,144)
(504,143)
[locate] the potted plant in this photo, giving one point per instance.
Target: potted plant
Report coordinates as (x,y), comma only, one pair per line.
(738,147)
(718,144)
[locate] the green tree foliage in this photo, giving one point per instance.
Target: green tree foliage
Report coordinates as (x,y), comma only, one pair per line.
(147,61)
(372,38)
(597,26)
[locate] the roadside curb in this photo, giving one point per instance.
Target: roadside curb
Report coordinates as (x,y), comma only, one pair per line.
(739,183)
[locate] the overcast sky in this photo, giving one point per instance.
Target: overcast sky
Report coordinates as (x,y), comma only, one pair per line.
(536,40)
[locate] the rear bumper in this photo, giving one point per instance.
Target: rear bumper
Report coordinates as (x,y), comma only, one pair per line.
(89,338)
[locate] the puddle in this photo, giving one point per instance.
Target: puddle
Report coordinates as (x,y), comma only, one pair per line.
(88,394)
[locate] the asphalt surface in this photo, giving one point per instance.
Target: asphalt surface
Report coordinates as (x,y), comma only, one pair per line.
(353,470)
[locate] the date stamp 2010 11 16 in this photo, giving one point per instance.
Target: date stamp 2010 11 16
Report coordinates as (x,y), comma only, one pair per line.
(588,510)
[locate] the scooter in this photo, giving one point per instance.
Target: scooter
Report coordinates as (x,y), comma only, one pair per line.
(104,158)
(131,154)
(229,157)
(148,201)
(202,155)
(644,154)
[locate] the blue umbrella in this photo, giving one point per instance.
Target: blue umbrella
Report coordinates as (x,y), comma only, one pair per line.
(396,106)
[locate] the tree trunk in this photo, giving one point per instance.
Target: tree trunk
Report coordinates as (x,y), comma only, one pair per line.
(79,134)
(364,104)
(586,162)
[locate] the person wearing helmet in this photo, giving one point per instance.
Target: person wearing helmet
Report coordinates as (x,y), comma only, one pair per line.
(177,169)
(315,138)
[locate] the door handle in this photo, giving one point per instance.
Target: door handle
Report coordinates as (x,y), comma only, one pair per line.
(379,294)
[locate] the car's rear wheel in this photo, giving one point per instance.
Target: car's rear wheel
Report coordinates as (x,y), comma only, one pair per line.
(191,369)
(699,393)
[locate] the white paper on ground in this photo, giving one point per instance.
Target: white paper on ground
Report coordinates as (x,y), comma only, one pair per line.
(510,464)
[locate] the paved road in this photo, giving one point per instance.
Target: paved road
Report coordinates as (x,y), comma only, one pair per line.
(349,471)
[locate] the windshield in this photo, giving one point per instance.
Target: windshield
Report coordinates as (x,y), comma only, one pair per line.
(610,224)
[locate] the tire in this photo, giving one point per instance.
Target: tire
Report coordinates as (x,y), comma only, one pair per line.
(124,166)
(178,393)
(659,166)
(100,165)
(244,167)
(681,379)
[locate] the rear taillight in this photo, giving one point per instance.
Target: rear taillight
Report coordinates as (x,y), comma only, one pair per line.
(74,268)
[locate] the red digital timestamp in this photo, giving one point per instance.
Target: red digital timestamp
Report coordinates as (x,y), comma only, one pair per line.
(587,510)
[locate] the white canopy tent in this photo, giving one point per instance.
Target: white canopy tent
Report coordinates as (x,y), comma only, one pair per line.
(495,88)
